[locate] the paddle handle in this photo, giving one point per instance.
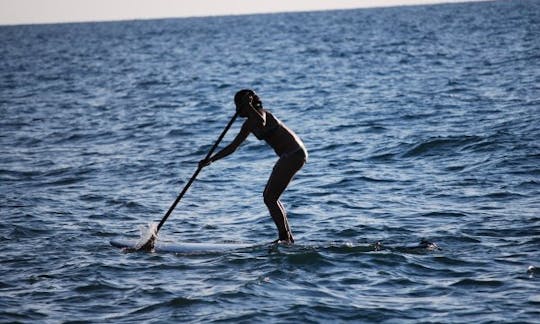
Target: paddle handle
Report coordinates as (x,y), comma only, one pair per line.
(194,176)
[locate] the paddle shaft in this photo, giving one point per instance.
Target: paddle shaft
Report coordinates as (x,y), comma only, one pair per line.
(186,187)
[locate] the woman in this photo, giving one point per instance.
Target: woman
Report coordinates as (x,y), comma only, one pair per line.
(287,145)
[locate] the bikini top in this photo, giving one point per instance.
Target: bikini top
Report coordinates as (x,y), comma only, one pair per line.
(271,126)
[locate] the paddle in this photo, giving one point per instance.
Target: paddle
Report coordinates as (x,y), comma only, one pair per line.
(149,245)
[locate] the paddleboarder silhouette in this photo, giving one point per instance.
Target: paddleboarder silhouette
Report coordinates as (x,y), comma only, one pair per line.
(286,144)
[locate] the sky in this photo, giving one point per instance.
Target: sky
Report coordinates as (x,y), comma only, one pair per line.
(16,12)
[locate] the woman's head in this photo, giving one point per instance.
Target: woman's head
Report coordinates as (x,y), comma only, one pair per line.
(246,97)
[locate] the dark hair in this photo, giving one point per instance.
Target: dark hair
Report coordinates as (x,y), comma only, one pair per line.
(257,103)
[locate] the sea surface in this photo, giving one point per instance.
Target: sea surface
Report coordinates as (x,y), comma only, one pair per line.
(422,123)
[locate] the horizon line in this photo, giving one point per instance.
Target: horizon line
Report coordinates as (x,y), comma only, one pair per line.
(414,3)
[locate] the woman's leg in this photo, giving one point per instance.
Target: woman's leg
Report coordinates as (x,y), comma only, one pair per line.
(282,174)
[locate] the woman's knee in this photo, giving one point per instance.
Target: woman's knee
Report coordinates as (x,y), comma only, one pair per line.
(269,198)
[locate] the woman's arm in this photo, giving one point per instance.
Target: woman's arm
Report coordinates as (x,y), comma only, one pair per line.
(229,149)
(259,116)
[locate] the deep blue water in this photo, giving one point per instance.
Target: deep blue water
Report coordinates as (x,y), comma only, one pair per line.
(421,122)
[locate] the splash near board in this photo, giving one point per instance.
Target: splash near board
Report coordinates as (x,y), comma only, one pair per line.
(183,247)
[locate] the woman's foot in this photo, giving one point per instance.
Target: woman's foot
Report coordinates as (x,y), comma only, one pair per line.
(287,242)
(285,239)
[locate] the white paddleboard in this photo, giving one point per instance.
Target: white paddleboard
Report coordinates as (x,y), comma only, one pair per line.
(184,247)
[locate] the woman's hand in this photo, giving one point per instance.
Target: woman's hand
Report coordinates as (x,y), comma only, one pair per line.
(204,163)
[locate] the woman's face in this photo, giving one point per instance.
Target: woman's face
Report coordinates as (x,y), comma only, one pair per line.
(243,106)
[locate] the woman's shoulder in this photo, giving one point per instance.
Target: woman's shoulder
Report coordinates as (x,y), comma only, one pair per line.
(251,123)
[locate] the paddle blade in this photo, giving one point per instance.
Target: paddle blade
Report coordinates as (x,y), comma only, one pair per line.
(148,246)
(148,238)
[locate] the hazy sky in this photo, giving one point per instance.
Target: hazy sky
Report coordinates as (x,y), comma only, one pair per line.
(50,11)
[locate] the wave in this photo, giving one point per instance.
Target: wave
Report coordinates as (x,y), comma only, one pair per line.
(441,146)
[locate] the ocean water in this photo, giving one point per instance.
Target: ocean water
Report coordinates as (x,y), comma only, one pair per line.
(421,123)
